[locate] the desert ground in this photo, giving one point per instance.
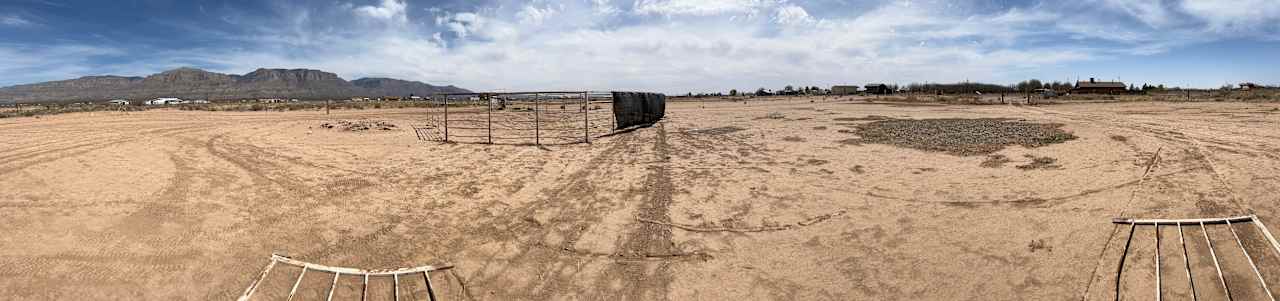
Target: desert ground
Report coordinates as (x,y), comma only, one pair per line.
(763,200)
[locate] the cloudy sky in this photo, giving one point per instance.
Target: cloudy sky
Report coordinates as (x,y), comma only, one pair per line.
(672,46)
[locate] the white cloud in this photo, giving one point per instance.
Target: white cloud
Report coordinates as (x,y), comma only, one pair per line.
(490,50)
(21,64)
(701,7)
(15,20)
(389,10)
(1152,13)
(535,16)
(1244,16)
(684,45)
(793,15)
(603,7)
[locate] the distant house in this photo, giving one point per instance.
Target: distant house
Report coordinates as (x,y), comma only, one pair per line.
(878,89)
(164,101)
(844,90)
(119,102)
(1093,86)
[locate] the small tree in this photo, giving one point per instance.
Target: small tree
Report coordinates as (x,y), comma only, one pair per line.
(733,92)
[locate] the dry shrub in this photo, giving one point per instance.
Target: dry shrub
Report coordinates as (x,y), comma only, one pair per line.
(995,161)
(1039,163)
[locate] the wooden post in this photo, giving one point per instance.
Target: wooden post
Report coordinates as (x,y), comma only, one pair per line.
(586,120)
(537,121)
(326,107)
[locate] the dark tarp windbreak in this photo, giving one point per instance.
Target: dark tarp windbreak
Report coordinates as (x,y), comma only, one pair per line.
(634,108)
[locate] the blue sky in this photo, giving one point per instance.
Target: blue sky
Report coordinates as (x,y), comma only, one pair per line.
(673,46)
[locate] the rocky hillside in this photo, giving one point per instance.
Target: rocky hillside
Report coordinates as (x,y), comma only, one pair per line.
(193,83)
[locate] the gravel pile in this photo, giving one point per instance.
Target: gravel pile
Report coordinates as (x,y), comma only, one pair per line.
(961,137)
(359,125)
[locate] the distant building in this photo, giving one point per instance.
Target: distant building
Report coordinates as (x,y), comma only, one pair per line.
(120,102)
(164,101)
(200,101)
(1093,86)
(878,89)
(844,90)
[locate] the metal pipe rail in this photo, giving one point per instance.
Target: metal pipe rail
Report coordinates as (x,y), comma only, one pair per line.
(1201,222)
(339,271)
(573,116)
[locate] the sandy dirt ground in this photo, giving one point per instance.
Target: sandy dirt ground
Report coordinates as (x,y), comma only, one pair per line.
(720,201)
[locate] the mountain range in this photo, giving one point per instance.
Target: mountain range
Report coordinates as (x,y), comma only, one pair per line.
(191,83)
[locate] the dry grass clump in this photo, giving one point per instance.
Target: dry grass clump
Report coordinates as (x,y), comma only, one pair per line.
(961,137)
(1039,163)
(359,125)
(995,161)
(792,139)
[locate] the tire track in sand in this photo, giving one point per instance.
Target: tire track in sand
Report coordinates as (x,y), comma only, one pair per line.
(647,280)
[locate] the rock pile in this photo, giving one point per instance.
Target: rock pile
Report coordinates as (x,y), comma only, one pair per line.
(961,137)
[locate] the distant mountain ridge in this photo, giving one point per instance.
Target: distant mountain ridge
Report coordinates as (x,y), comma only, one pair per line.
(191,83)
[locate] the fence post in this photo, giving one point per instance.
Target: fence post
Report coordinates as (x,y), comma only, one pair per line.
(446,117)
(326,107)
(586,120)
(489,102)
(537,121)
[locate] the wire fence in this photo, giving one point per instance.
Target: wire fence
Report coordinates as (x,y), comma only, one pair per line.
(534,118)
